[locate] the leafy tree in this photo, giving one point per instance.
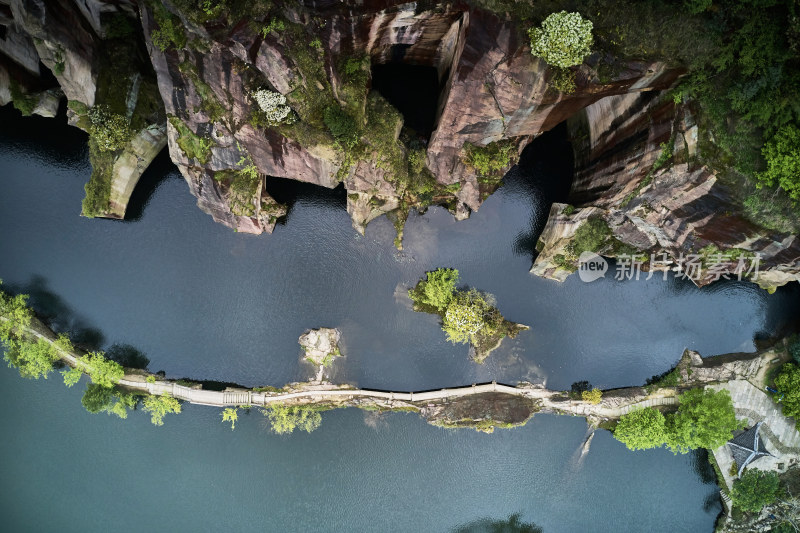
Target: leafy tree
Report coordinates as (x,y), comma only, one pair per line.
(788,383)
(102,371)
(642,429)
(230,414)
(16,312)
(563,40)
(464,317)
(592,396)
(285,419)
(705,419)
(160,406)
(794,350)
(438,290)
(754,490)
(32,359)
(96,398)
(72,376)
(782,154)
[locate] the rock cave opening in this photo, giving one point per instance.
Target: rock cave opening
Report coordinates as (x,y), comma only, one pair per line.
(288,191)
(549,163)
(412,89)
(160,170)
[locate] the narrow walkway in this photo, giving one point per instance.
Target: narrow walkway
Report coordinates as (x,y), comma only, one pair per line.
(756,406)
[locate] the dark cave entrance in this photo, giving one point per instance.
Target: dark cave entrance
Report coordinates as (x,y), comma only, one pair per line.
(412,89)
(548,162)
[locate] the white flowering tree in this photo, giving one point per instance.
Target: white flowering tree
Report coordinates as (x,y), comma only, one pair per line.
(464,317)
(563,40)
(273,105)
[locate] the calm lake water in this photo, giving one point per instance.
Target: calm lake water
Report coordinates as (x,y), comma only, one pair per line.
(204,302)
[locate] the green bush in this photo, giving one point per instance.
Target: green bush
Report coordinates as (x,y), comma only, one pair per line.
(563,40)
(103,372)
(437,290)
(787,382)
(170,29)
(782,155)
(110,131)
(490,160)
(754,490)
(342,126)
(642,429)
(591,236)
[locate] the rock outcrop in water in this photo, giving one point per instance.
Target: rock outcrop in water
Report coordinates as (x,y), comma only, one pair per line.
(193,72)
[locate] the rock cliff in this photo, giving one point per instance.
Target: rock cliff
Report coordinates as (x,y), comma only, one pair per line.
(391,100)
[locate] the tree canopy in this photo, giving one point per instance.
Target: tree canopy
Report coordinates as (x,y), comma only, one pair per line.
(159,407)
(754,490)
(642,429)
(437,290)
(285,419)
(705,419)
(787,382)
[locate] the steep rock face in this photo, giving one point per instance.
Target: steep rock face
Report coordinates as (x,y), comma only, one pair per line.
(64,43)
(636,170)
(491,89)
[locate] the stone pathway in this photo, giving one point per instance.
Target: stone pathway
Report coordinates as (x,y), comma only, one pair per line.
(756,406)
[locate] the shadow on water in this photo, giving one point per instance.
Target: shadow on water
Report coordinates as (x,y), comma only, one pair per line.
(544,175)
(160,170)
(52,310)
(51,140)
(512,524)
(289,192)
(128,356)
(58,316)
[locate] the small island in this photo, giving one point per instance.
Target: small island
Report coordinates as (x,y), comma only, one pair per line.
(468,316)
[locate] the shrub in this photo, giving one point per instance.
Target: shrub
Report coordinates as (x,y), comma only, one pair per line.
(788,383)
(754,490)
(160,406)
(437,290)
(342,126)
(591,236)
(488,161)
(170,29)
(285,419)
(563,40)
(642,429)
(273,104)
(592,396)
(110,131)
(782,155)
(24,103)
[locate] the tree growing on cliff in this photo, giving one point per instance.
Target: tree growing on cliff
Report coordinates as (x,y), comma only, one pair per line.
(754,490)
(437,290)
(705,419)
(782,154)
(788,383)
(563,40)
(642,429)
